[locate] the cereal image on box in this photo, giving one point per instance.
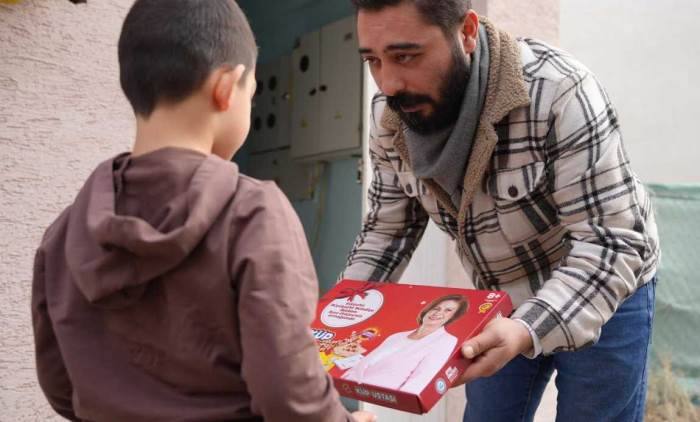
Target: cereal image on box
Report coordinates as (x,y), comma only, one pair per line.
(344,351)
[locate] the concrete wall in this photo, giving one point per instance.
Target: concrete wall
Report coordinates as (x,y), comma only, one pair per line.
(61,112)
(646,55)
(533,18)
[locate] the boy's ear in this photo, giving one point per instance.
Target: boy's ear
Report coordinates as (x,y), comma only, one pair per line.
(226,82)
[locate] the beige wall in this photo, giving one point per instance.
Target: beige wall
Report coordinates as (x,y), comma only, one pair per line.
(61,112)
(532,18)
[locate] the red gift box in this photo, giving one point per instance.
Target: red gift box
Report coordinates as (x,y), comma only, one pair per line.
(398,345)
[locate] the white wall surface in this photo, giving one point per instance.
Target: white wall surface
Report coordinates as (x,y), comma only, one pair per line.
(61,112)
(646,54)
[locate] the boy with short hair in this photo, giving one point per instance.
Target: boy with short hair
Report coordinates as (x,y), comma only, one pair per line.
(175,288)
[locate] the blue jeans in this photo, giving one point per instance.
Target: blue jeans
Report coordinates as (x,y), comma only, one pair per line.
(601,383)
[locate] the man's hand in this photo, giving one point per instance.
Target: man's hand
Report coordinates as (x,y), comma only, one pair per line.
(362,416)
(502,340)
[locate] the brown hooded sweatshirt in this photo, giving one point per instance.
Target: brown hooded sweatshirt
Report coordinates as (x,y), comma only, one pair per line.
(176,289)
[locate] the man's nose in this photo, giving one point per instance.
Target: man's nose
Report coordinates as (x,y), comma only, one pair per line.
(391,82)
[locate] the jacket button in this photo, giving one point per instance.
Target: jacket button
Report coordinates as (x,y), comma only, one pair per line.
(513,191)
(409,189)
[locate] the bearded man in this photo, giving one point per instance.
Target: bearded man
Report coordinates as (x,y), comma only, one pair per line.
(514,150)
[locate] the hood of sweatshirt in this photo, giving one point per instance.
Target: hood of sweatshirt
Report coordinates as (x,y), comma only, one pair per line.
(137,218)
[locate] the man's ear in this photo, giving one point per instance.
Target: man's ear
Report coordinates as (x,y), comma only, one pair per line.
(470,32)
(226,82)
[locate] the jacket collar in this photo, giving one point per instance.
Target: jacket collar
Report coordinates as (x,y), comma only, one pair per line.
(506,92)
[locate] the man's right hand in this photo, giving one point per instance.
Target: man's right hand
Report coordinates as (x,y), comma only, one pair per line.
(362,416)
(502,340)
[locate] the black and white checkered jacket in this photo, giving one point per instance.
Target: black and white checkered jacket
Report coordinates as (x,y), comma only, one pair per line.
(551,211)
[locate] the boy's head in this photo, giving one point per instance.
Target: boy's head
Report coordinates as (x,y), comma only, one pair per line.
(171,50)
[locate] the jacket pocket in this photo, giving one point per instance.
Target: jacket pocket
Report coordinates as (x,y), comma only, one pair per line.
(523,205)
(513,184)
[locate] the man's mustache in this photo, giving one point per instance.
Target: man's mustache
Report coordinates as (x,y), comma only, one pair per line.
(405,100)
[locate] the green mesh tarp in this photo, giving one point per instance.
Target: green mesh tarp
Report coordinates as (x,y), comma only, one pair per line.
(677,321)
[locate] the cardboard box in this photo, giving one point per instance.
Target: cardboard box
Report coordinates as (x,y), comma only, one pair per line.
(398,345)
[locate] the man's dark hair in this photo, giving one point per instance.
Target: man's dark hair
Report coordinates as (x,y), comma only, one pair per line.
(168,48)
(446,14)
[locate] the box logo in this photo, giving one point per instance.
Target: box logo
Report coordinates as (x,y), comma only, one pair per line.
(440,386)
(451,373)
(485,307)
(322,335)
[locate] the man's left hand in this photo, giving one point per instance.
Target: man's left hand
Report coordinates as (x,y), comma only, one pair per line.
(502,340)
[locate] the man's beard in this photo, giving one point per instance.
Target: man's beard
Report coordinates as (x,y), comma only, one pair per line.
(446,110)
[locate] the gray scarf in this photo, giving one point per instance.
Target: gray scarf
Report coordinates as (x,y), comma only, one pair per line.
(443,156)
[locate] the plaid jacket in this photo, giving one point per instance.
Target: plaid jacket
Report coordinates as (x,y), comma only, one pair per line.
(551,211)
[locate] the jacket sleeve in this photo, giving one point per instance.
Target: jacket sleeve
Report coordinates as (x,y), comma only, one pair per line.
(277,292)
(51,370)
(606,214)
(394,223)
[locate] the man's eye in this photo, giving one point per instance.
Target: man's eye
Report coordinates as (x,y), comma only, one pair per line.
(370,60)
(404,58)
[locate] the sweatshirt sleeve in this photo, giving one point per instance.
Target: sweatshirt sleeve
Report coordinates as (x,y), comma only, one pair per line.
(277,294)
(51,370)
